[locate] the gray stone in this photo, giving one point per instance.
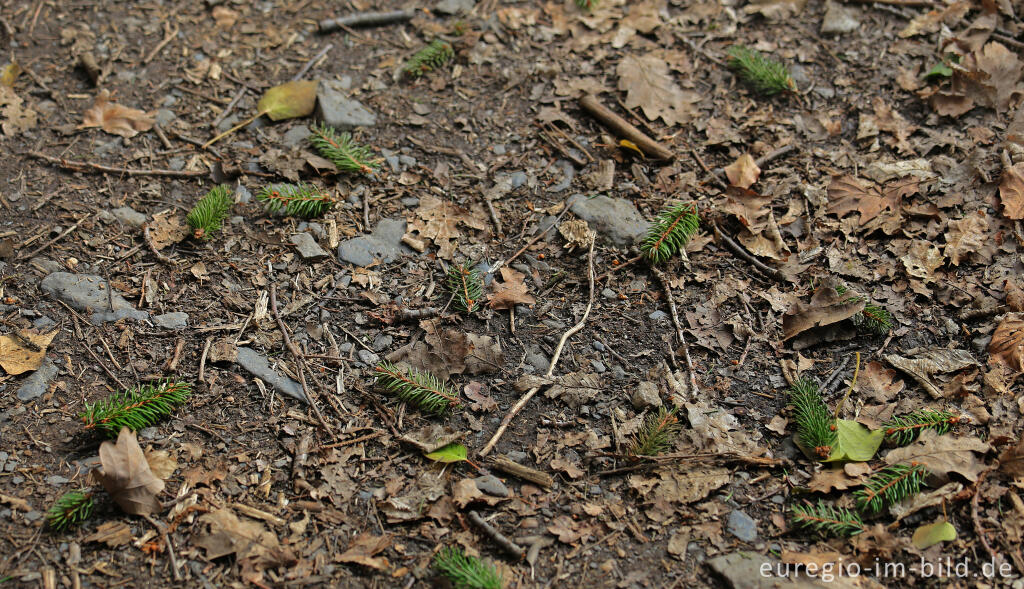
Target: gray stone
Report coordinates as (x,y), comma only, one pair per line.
(598,365)
(43,322)
(176,320)
(37,382)
(384,244)
(538,361)
(296,135)
(659,316)
(164,116)
(33,516)
(367,357)
(335,108)
(742,570)
(56,479)
(614,218)
(381,342)
(838,19)
(517,179)
(394,163)
(454,7)
(608,293)
(491,485)
(646,395)
(742,526)
(89,293)
(308,248)
(149,433)
(259,366)
(129,216)
(242,194)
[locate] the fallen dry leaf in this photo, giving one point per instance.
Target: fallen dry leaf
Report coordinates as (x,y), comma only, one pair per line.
(1007,345)
(577,234)
(648,85)
(1011,191)
(438,220)
(481,402)
(927,363)
(126,475)
(162,463)
(1011,461)
(966,237)
(575,388)
(827,307)
(511,291)
(25,351)
(760,233)
(833,479)
(879,383)
(255,547)
(690,485)
(364,549)
(116,119)
(447,351)
(743,172)
(922,259)
(15,118)
(943,454)
(879,209)
(112,534)
(930,22)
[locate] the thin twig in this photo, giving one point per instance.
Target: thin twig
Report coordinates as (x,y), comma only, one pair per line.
(499,538)
(227,110)
(309,64)
(152,247)
(365,19)
(55,239)
(91,168)
(554,360)
(169,36)
(175,567)
(202,359)
(667,288)
(827,385)
(748,257)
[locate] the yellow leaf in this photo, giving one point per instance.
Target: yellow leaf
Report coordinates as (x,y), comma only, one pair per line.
(24,352)
(289,100)
(630,145)
(9,73)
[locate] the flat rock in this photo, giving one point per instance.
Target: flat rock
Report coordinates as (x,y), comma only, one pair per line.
(37,382)
(258,365)
(491,485)
(646,395)
(742,526)
(614,218)
(838,19)
(296,135)
(129,216)
(336,109)
(383,245)
(743,570)
(454,6)
(308,248)
(176,320)
(88,293)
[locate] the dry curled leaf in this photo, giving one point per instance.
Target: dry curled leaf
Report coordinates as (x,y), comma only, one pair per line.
(113,534)
(364,549)
(743,172)
(649,85)
(14,116)
(126,475)
(116,119)
(879,383)
(1011,191)
(927,363)
(943,454)
(438,220)
(1007,345)
(25,351)
(966,237)
(827,307)
(510,291)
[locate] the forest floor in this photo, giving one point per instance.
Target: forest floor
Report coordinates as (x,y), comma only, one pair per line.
(859,231)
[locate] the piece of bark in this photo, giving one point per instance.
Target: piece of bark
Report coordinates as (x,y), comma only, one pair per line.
(524,472)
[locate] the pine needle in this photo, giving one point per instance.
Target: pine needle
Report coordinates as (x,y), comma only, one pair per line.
(765,76)
(657,434)
(873,317)
(71,509)
(466,572)
(421,389)
(296,200)
(466,286)
(904,429)
(136,408)
(827,520)
(670,232)
(209,213)
(342,150)
(815,426)
(430,58)
(890,485)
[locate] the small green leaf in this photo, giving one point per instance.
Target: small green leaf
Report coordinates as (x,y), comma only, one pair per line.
(854,442)
(449,453)
(931,534)
(941,70)
(289,100)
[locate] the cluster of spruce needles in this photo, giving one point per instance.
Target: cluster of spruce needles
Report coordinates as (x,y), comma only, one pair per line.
(433,56)
(873,317)
(904,429)
(466,286)
(657,434)
(465,571)
(342,150)
(296,200)
(816,427)
(136,408)
(207,216)
(764,75)
(670,232)
(419,388)
(70,509)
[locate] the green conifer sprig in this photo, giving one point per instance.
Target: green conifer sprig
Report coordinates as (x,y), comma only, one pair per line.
(657,434)
(466,572)
(816,428)
(873,317)
(587,5)
(342,150)
(421,389)
(826,519)
(765,76)
(890,485)
(431,57)
(904,429)
(71,509)
(670,232)
(296,200)
(136,408)
(209,213)
(466,286)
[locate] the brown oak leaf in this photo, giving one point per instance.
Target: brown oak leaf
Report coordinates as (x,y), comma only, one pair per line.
(879,383)
(116,119)
(649,85)
(743,172)
(510,291)
(943,454)
(966,237)
(126,475)
(1011,191)
(438,220)
(1007,345)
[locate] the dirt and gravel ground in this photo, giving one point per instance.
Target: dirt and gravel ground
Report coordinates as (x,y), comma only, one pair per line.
(905,189)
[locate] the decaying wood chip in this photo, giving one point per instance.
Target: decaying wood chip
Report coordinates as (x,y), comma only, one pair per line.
(524,472)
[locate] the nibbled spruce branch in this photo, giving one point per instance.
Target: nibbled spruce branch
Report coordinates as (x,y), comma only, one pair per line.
(137,408)
(430,58)
(422,389)
(904,429)
(296,200)
(71,509)
(765,76)
(670,232)
(466,572)
(815,425)
(464,282)
(209,213)
(827,520)
(890,485)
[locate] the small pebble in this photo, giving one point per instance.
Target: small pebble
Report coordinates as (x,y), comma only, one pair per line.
(367,357)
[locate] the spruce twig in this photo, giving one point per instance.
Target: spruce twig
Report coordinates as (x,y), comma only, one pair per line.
(342,150)
(296,200)
(815,427)
(587,5)
(71,509)
(136,408)
(430,58)
(656,434)
(670,232)
(421,389)
(765,76)
(904,429)
(209,213)
(827,520)
(466,572)
(466,286)
(890,485)
(873,317)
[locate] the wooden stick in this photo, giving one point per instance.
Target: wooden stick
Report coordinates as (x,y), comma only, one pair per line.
(524,472)
(619,125)
(499,538)
(309,64)
(748,257)
(89,167)
(148,237)
(365,19)
(554,360)
(679,328)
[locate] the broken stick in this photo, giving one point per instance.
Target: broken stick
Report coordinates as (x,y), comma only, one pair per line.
(499,538)
(524,472)
(365,19)
(619,125)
